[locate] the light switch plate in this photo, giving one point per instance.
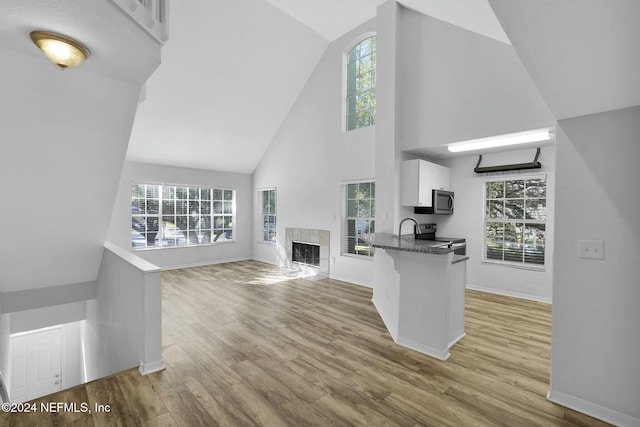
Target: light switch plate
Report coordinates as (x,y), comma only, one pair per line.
(591,249)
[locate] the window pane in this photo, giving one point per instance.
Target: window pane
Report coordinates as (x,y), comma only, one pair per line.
(495,209)
(182,193)
(494,241)
(152,226)
(352,191)
(495,190)
(168,192)
(536,209)
(536,188)
(513,249)
(152,207)
(361,85)
(228,194)
(153,191)
(138,206)
(514,189)
(364,208)
(514,209)
(534,243)
(352,208)
(217,207)
(181,207)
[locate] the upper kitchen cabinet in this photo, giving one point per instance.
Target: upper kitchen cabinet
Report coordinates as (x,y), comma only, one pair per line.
(417,180)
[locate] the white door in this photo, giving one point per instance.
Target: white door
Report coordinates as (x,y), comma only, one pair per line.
(36,364)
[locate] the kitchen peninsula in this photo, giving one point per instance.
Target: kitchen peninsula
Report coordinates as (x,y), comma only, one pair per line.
(421,293)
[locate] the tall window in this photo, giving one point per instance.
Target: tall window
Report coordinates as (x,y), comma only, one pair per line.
(267,215)
(361,84)
(360,212)
(515,217)
(171,215)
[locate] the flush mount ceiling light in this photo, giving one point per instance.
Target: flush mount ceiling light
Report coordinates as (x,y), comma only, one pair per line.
(538,135)
(61,50)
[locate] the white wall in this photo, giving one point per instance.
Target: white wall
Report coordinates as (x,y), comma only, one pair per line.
(120,228)
(66,136)
(455,85)
(124,323)
(29,320)
(309,158)
(466,222)
(595,345)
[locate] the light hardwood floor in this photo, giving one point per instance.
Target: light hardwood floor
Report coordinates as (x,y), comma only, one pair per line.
(245,345)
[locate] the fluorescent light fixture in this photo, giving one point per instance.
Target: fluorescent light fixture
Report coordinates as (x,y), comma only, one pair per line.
(538,135)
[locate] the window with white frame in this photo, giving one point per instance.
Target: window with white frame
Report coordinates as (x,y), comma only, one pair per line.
(176,215)
(515,215)
(358,224)
(361,85)
(267,215)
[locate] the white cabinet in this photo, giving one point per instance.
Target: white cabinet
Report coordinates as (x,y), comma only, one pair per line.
(417,178)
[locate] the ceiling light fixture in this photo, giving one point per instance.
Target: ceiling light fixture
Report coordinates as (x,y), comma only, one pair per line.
(538,135)
(61,50)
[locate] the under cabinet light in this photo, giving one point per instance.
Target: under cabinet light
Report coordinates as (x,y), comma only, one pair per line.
(539,135)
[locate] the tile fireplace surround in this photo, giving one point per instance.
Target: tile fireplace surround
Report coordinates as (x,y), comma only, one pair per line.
(312,237)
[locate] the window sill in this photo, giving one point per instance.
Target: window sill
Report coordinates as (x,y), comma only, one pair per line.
(530,267)
(355,256)
(157,248)
(264,242)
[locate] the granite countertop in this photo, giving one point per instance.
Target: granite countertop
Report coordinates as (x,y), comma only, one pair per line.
(410,244)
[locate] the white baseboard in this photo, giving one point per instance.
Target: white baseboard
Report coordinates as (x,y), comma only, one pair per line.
(455,340)
(424,349)
(151,367)
(509,294)
(593,410)
(203,263)
(350,280)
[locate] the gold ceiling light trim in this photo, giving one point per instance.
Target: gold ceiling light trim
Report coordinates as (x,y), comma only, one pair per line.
(61,50)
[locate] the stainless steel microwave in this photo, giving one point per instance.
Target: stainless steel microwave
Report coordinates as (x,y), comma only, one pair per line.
(441,204)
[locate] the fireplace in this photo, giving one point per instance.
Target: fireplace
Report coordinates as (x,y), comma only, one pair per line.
(307,250)
(305,253)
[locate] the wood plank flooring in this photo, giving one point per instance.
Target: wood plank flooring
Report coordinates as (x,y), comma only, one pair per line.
(245,344)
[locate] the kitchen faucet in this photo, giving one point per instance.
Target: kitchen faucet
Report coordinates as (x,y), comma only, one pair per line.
(418,229)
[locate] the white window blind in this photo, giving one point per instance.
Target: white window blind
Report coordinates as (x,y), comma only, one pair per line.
(359,218)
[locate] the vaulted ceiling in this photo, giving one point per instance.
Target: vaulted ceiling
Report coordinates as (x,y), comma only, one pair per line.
(232,70)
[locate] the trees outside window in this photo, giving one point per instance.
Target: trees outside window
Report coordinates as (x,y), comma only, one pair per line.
(515,214)
(361,85)
(172,215)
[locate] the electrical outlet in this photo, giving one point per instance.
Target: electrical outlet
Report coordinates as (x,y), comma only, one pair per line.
(591,249)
